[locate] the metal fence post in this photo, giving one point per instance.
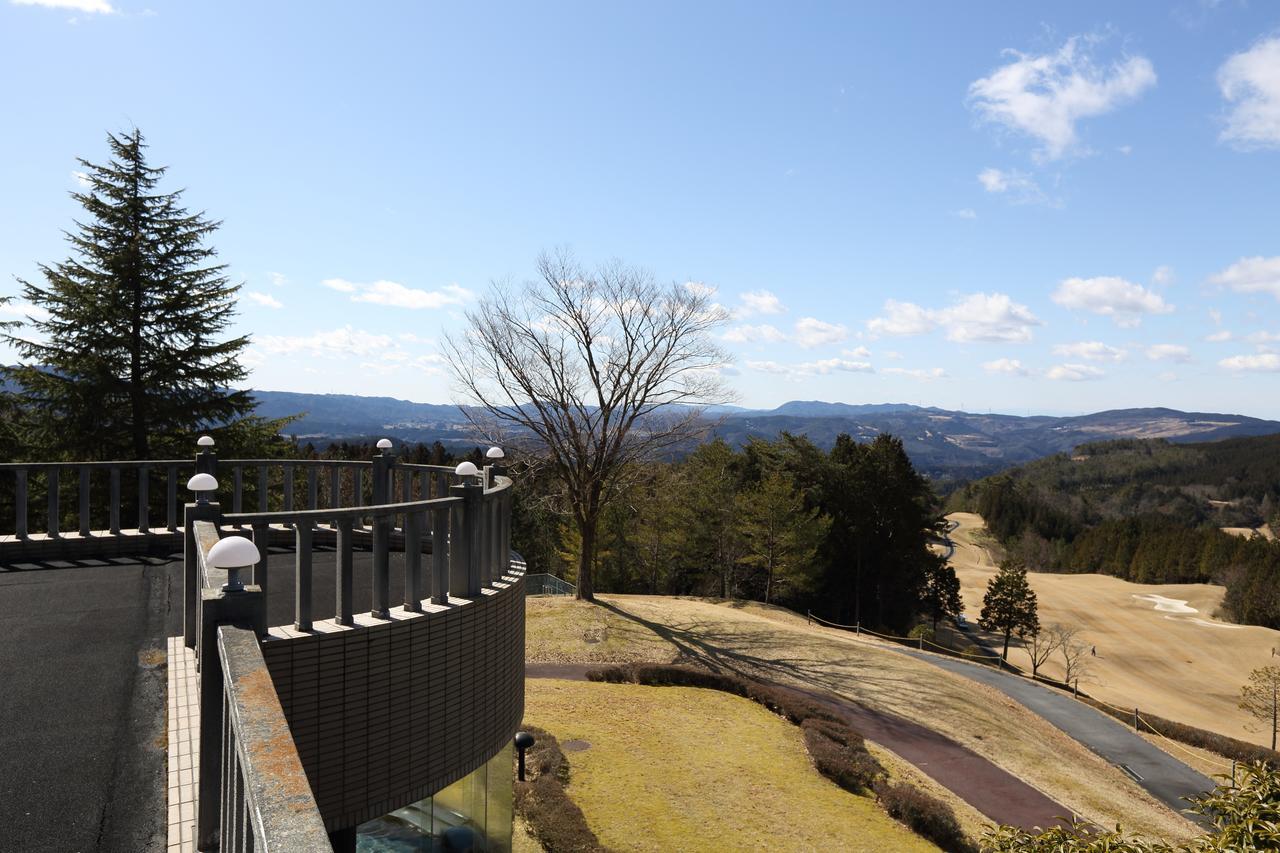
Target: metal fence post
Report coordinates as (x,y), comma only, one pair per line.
(464,555)
(440,554)
(86,526)
(20,502)
(191,582)
(52,479)
(382,483)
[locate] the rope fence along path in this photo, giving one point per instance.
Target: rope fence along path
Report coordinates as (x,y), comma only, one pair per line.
(1139,722)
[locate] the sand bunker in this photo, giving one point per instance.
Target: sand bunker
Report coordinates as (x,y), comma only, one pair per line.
(1208,624)
(1168,605)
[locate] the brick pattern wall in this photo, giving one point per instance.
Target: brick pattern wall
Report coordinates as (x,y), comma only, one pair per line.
(385,714)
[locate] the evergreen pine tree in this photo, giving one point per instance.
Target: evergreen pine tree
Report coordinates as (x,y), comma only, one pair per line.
(940,595)
(781,535)
(1009,604)
(127,357)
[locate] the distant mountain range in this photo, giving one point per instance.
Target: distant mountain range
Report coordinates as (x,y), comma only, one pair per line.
(944,444)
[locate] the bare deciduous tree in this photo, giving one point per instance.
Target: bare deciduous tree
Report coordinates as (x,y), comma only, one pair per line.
(1075,653)
(591,372)
(1041,646)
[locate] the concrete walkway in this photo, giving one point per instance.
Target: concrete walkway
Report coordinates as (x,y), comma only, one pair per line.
(1163,776)
(82,693)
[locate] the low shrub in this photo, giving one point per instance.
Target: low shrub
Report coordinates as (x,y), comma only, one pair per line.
(927,816)
(841,756)
(554,819)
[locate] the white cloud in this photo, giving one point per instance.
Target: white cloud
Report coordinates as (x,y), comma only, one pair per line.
(1111,296)
(266,300)
(82,179)
(901,319)
(760,302)
(812,368)
(397,295)
(1126,150)
(1267,362)
(698,288)
(100,7)
(1220,336)
(23,310)
(857,352)
(1020,187)
(1074,372)
(1251,275)
(985,317)
(344,341)
(1091,351)
(1250,83)
(1167,376)
(991,318)
(748,334)
(967,213)
(1044,96)
(339,284)
(1169,352)
(1010,366)
(278,279)
(811,332)
(917,373)
(1162,276)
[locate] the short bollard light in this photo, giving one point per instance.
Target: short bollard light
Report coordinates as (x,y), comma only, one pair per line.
(203,485)
(384,444)
(466,469)
(524,740)
(205,441)
(494,453)
(233,554)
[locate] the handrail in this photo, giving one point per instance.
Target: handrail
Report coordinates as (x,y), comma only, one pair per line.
(298,516)
(266,803)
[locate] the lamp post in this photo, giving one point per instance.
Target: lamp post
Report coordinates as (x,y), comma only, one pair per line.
(524,740)
(206,459)
(234,554)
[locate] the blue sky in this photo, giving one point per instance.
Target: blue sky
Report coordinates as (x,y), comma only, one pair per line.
(1016,207)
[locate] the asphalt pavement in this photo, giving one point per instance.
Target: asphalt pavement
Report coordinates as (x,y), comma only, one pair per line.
(1160,774)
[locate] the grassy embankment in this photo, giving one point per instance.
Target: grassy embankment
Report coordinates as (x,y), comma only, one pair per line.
(775,644)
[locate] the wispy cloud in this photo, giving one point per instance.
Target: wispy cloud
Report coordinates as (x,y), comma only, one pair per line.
(760,302)
(1250,83)
(1111,296)
(344,341)
(920,374)
(966,213)
(748,334)
(1044,96)
(811,368)
(1008,366)
(1091,351)
(266,300)
(93,7)
(396,295)
(1014,184)
(1074,373)
(1169,352)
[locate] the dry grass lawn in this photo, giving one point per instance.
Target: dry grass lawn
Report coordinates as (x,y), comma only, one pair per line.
(1182,666)
(777,645)
(678,768)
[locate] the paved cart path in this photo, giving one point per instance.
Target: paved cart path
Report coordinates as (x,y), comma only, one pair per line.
(1163,776)
(996,793)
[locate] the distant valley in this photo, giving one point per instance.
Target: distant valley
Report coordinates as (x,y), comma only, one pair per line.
(942,443)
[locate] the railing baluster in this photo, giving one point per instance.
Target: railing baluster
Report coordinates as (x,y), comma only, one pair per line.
(313,487)
(406,485)
(357,491)
(237,486)
(413,561)
(440,554)
(288,488)
(144,498)
(20,502)
(346,573)
(262,538)
(381,567)
(171,499)
(51,478)
(302,577)
(335,486)
(264,504)
(86,523)
(113,523)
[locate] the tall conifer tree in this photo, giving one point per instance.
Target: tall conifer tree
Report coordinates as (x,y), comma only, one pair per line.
(127,356)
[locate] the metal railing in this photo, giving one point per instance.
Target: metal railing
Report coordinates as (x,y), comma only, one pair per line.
(252,792)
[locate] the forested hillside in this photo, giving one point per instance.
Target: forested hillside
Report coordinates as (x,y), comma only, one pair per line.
(1146,511)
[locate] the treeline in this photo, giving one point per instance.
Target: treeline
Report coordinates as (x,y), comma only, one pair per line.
(845,532)
(1145,511)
